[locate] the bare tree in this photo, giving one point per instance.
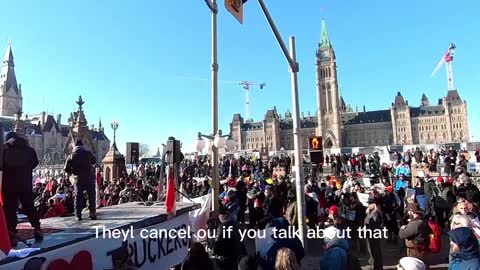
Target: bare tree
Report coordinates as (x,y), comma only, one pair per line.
(144,150)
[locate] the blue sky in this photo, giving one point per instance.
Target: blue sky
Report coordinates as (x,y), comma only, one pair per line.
(146,63)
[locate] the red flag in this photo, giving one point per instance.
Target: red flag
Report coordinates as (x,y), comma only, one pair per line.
(170,200)
(4,239)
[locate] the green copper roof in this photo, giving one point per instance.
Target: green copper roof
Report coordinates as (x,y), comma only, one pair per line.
(324,39)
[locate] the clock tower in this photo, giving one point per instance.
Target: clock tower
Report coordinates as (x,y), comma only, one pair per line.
(328,101)
(10,90)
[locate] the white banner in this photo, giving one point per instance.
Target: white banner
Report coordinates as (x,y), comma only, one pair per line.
(198,218)
(148,251)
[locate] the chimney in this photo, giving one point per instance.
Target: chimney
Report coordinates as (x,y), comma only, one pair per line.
(364,110)
(59,119)
(308,113)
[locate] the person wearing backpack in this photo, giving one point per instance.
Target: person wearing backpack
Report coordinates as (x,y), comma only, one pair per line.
(416,233)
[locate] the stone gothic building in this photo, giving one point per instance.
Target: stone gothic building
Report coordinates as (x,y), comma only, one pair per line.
(45,133)
(341,126)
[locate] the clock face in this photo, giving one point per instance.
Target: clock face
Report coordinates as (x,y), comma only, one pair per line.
(325,54)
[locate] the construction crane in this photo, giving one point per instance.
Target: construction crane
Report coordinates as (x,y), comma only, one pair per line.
(246,86)
(447,59)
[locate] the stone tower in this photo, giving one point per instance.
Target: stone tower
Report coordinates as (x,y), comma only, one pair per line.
(401,121)
(424,102)
(10,91)
(328,102)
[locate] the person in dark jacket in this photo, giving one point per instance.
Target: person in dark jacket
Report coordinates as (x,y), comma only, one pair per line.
(80,164)
(268,262)
(335,253)
(416,233)
(227,246)
(197,259)
(444,199)
(428,189)
(19,159)
(418,155)
(464,252)
(465,189)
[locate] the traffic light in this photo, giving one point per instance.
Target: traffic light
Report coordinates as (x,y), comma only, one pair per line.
(315,143)
(316,157)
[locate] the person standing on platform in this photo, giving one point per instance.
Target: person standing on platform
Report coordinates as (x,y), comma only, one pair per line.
(80,164)
(19,159)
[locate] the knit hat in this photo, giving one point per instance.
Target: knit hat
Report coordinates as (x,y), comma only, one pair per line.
(409,263)
(389,189)
(371,200)
(440,179)
(333,210)
(11,135)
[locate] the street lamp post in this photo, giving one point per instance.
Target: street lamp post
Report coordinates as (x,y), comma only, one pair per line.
(217,141)
(212,4)
(114,127)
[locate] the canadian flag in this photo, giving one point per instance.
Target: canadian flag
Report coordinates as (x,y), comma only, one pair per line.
(4,239)
(170,200)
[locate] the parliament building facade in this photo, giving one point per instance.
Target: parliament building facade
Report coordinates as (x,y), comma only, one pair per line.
(341,126)
(52,140)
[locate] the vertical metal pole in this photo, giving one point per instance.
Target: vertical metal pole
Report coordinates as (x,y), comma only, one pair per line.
(299,181)
(247,101)
(215,180)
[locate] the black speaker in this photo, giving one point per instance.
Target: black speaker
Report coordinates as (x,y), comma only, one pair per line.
(133,153)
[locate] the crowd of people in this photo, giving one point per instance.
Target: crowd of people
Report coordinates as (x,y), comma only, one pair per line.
(252,195)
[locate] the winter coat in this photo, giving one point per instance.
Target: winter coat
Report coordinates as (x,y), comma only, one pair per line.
(468,257)
(402,170)
(429,190)
(400,184)
(418,156)
(468,191)
(80,164)
(268,262)
(230,249)
(292,213)
(374,220)
(335,256)
(417,231)
(19,160)
(444,197)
